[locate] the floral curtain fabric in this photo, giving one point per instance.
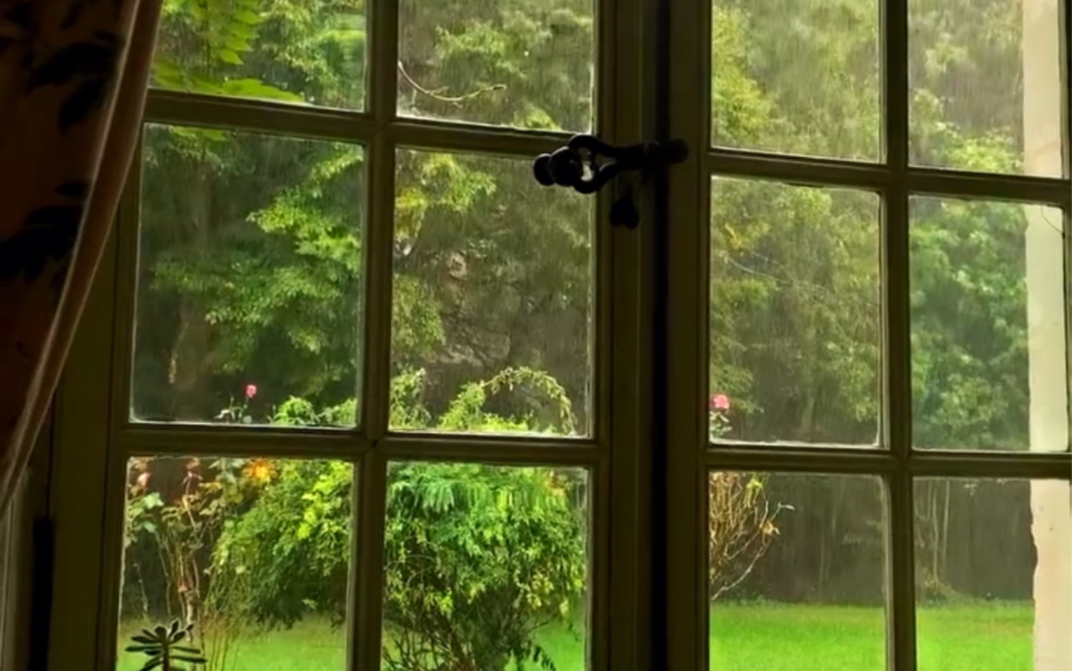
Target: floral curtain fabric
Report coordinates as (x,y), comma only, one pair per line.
(73,75)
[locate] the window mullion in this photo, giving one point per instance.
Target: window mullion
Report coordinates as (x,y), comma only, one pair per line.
(901,600)
(191,440)
(235,114)
(376,348)
(370,479)
(367,564)
(897,425)
(680,345)
(897,385)
(384,60)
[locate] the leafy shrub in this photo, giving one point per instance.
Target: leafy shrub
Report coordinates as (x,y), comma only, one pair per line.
(294,543)
(477,559)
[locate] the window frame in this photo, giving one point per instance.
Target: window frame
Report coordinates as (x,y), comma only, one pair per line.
(95,438)
(650,414)
(688,455)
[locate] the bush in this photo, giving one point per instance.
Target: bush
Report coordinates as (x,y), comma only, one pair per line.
(293,544)
(477,557)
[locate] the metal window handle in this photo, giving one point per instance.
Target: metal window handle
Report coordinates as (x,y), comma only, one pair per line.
(585,164)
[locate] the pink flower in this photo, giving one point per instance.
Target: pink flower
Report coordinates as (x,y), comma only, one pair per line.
(719,402)
(251,390)
(143,479)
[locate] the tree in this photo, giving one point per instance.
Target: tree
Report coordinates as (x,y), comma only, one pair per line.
(480,278)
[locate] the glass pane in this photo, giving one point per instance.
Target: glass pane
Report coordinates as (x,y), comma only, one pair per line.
(797,77)
(296,51)
(796,572)
(249,279)
(988,332)
(992,574)
(486,568)
(253,554)
(493,295)
(521,63)
(794,313)
(985,85)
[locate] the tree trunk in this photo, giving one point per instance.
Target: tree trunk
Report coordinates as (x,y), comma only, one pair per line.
(192,343)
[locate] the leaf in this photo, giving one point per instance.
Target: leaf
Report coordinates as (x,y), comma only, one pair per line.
(74,189)
(246,16)
(74,13)
(193,659)
(87,98)
(186,648)
(48,233)
(152,664)
(92,58)
(255,88)
(22,17)
(238,44)
(229,56)
(143,648)
(107,36)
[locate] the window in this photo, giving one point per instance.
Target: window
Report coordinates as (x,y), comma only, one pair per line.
(355,392)
(358,409)
(869,372)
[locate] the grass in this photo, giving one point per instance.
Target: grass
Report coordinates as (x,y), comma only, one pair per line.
(744,637)
(775,637)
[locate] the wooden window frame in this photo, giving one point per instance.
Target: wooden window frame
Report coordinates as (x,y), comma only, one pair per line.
(894,179)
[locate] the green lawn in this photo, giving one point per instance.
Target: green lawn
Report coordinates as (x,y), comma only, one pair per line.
(767,637)
(978,637)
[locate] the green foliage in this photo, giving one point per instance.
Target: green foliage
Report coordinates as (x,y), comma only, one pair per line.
(467,411)
(294,543)
(480,556)
(260,279)
(300,412)
(477,559)
(969,261)
(140,507)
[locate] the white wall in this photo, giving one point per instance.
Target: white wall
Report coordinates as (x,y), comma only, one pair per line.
(1048,371)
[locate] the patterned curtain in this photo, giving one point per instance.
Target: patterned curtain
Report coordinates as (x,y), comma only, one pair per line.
(73,75)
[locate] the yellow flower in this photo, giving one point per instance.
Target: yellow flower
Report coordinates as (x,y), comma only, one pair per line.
(259,471)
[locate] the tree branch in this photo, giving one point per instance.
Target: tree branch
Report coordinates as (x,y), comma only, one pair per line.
(451,100)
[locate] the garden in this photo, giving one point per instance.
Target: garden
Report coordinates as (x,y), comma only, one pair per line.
(486,566)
